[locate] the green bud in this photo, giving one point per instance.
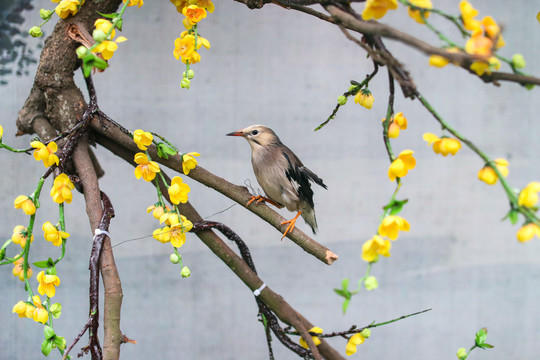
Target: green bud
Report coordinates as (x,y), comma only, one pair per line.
(371,283)
(60,341)
(518,61)
(45,14)
(366,333)
(529,86)
(352,87)
(35,31)
(342,100)
(185,83)
(46,347)
(81,51)
(190,74)
(56,310)
(175,259)
(461,353)
(99,35)
(49,332)
(185,272)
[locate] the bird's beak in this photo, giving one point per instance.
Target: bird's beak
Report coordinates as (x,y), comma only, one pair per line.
(236,133)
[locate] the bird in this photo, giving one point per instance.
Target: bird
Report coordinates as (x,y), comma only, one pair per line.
(282,176)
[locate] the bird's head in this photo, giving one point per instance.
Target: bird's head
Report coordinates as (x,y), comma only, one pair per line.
(257,135)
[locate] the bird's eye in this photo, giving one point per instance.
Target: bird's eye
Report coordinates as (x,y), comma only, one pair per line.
(254,132)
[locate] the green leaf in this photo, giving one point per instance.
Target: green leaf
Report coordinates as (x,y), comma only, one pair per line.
(165,150)
(42,264)
(119,24)
(343,293)
(345,283)
(395,206)
(108,16)
(480,337)
(487,346)
(46,347)
(49,332)
(345,305)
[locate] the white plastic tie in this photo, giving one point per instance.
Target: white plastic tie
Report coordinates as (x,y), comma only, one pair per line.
(98,232)
(257,292)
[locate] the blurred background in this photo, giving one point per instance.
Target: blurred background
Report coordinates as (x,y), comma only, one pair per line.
(285,69)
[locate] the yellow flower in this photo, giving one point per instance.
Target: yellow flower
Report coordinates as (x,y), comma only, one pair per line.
(142,138)
(178,235)
(401,166)
(441,61)
(170,218)
(1,132)
(178,191)
(479,44)
(468,14)
(40,314)
(392,225)
(157,211)
(67,7)
(442,146)
(481,67)
(316,340)
(18,270)
(61,190)
(45,153)
(189,162)
(20,235)
(26,204)
(493,31)
(397,122)
(174,233)
(47,283)
(106,48)
(364,98)
(139,3)
(207,4)
(416,14)
(52,234)
(194,14)
(104,25)
(23,309)
(374,247)
(378,8)
(180,4)
(184,47)
(146,169)
(162,235)
(488,175)
(353,342)
(527,232)
(528,197)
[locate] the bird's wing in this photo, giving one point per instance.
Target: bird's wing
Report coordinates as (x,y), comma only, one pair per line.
(313,177)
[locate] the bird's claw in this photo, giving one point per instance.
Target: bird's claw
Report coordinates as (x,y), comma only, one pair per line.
(257,200)
(291,225)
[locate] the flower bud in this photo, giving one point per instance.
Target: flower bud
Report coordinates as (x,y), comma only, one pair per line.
(60,341)
(46,347)
(99,35)
(371,283)
(342,100)
(175,259)
(81,51)
(366,333)
(35,31)
(185,272)
(45,14)
(185,83)
(190,74)
(352,87)
(518,61)
(56,310)
(461,353)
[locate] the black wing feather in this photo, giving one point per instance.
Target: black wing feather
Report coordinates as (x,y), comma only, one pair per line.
(302,176)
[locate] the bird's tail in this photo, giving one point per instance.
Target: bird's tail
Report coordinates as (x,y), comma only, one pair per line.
(309,217)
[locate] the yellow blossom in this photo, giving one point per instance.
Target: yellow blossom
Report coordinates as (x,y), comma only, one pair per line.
(416,14)
(206,4)
(157,211)
(23,309)
(162,235)
(106,48)
(52,234)
(468,14)
(378,8)
(401,166)
(353,342)
(174,233)
(374,247)
(481,67)
(104,25)
(397,122)
(178,191)
(194,14)
(139,3)
(443,146)
(1,132)
(61,190)
(316,340)
(26,204)
(20,235)
(40,314)
(146,169)
(67,7)
(47,283)
(493,31)
(189,162)
(180,4)
(528,197)
(488,175)
(18,270)
(441,61)
(392,225)
(364,98)
(479,44)
(142,138)
(45,153)
(527,232)
(184,47)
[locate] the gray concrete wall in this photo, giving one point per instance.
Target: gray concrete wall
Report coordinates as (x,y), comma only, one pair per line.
(285,70)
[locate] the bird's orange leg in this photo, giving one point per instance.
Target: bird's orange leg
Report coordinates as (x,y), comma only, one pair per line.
(291,224)
(258,199)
